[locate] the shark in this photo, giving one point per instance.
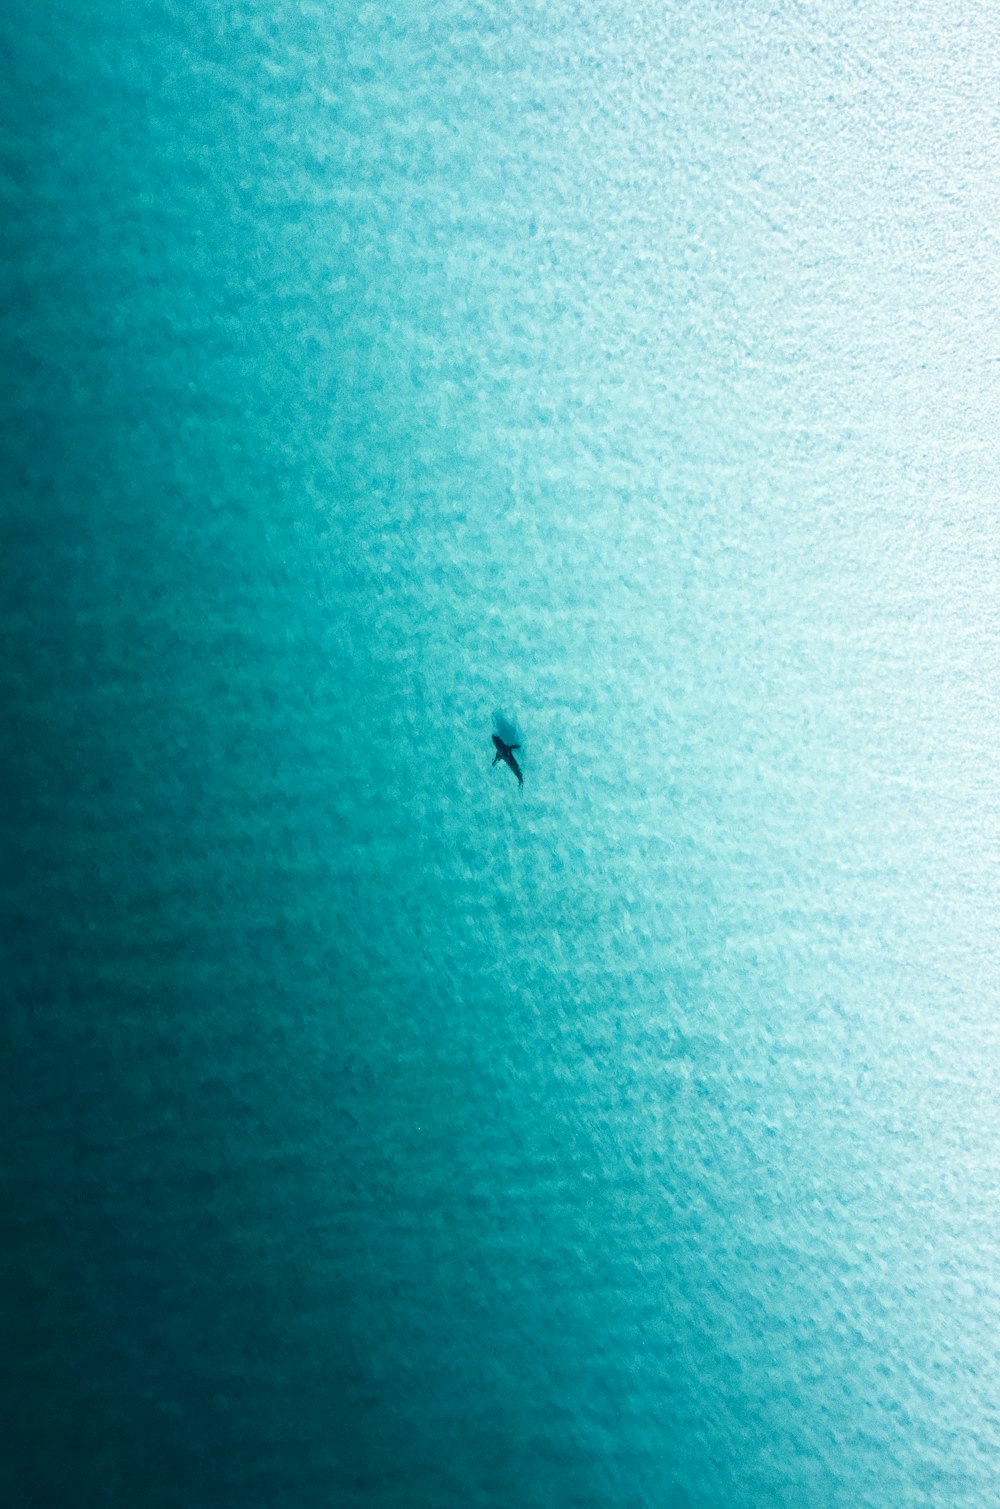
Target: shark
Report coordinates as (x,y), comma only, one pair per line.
(505,752)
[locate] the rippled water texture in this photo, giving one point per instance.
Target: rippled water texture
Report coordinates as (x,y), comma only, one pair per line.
(379,1135)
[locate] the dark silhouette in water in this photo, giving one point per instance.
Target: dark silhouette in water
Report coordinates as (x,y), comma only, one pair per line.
(505,752)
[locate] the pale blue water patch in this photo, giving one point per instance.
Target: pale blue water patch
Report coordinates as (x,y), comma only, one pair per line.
(380,1134)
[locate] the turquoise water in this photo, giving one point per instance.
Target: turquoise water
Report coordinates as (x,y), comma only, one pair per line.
(378,1135)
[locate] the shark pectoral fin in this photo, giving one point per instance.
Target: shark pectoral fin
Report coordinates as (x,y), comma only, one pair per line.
(515,746)
(494,759)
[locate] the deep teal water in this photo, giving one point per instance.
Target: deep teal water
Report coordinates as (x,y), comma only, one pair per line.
(377,1135)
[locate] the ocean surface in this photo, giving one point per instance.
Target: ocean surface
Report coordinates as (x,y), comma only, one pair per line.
(377,1135)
